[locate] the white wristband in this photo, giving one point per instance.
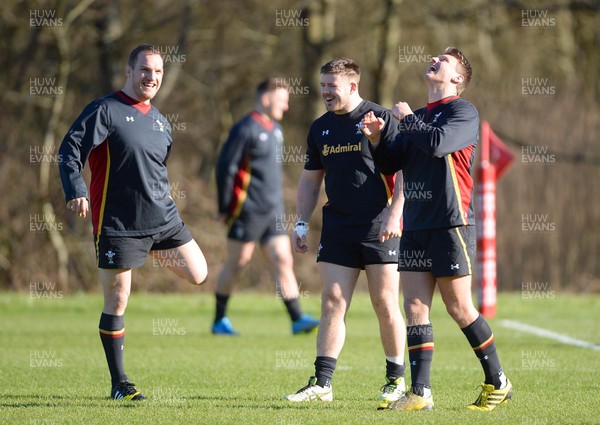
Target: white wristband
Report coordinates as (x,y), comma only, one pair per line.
(301,228)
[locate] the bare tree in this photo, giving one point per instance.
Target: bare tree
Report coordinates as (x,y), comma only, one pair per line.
(62,41)
(387,71)
(317,39)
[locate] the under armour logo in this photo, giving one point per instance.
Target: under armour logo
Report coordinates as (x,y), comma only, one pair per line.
(129,119)
(390,252)
(454,266)
(325,133)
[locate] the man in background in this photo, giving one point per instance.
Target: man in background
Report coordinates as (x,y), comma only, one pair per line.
(250,201)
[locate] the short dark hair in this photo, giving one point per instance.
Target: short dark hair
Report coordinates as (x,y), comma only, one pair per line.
(133,56)
(464,67)
(270,84)
(344,66)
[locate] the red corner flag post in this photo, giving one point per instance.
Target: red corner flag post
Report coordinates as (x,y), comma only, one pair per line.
(495,158)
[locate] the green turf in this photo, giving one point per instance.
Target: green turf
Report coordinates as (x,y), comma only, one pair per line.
(53,369)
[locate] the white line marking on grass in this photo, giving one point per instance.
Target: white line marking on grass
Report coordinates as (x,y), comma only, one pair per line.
(511,324)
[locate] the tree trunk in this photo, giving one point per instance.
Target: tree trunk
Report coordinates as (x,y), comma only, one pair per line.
(64,68)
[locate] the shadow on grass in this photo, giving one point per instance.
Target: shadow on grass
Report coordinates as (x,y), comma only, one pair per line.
(36,400)
(230,402)
(236,402)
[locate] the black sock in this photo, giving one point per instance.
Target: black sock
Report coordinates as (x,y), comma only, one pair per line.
(324,367)
(112,335)
(393,370)
(419,339)
(293,308)
(222,301)
(480,336)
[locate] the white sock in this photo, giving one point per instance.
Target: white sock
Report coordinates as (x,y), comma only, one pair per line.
(503,380)
(395,359)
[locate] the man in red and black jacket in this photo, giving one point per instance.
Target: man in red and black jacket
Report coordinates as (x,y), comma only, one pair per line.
(250,200)
(127,142)
(435,149)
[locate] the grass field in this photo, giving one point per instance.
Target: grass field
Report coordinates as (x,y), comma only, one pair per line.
(53,369)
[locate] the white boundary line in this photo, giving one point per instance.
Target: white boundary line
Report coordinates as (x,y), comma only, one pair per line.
(512,324)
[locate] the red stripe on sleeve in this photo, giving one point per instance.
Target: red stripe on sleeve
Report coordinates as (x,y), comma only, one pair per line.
(98,165)
(240,188)
(390,181)
(462,163)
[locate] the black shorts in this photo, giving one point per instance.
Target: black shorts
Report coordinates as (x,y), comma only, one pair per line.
(443,252)
(116,252)
(357,255)
(253,228)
